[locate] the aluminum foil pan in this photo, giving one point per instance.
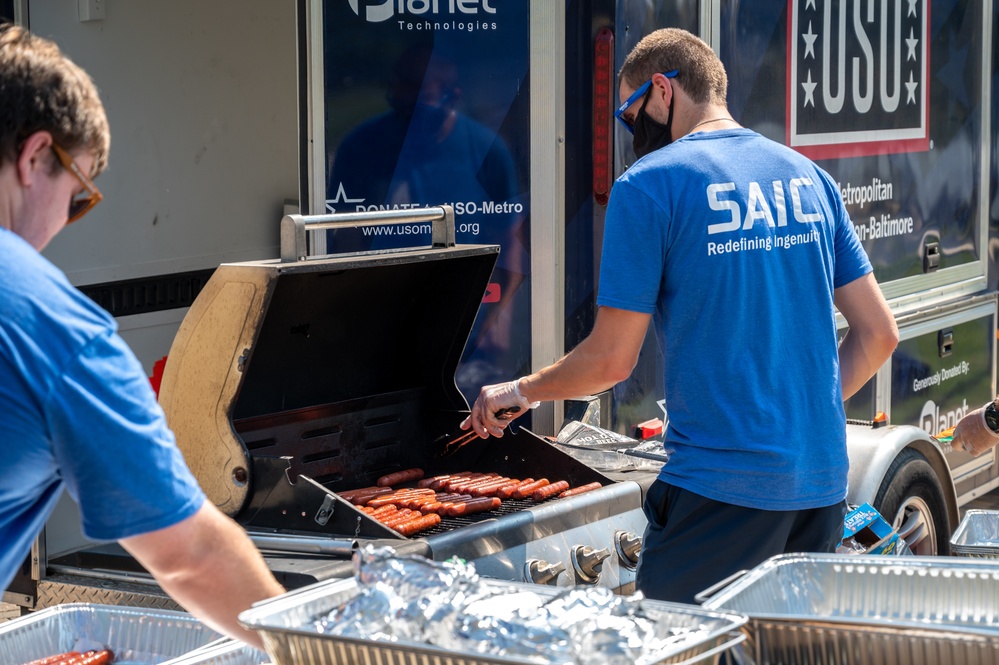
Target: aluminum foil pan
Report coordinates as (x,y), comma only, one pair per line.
(136,636)
(841,610)
(229,653)
(978,535)
(382,630)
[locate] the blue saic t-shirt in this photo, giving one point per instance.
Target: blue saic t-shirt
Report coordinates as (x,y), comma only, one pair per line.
(76,411)
(735,243)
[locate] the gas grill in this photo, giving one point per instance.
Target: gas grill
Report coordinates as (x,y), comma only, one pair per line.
(293,380)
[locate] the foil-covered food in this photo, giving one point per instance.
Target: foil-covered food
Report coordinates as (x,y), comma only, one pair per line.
(413,599)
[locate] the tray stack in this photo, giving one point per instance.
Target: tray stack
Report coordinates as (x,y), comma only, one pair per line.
(286,623)
(867,610)
(978,535)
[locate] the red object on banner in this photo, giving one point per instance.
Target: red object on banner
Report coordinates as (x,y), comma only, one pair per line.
(493,293)
(157,376)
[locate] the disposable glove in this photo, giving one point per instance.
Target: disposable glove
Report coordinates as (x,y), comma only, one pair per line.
(973,434)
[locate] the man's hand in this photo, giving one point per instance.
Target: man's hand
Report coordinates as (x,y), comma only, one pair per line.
(495,407)
(973,434)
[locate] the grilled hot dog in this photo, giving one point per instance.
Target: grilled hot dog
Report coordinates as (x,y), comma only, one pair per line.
(400,477)
(548,491)
(525,491)
(421,523)
(478,505)
(580,490)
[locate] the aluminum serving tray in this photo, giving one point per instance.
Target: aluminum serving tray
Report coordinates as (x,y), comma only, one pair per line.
(842,610)
(978,535)
(229,653)
(285,625)
(136,636)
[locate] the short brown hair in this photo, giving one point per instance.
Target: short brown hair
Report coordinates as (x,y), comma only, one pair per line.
(700,72)
(43,90)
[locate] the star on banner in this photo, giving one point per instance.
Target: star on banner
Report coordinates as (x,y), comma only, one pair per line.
(809,2)
(912,8)
(910,88)
(910,43)
(809,38)
(809,90)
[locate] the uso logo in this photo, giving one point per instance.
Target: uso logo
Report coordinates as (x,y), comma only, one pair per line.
(857,74)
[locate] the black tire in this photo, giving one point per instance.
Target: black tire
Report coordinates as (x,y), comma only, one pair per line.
(911,499)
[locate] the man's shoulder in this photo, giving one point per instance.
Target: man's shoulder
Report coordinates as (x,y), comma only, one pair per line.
(40,303)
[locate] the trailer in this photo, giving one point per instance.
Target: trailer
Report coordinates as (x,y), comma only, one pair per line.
(227,116)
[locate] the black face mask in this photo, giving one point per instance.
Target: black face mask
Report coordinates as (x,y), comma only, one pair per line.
(650,135)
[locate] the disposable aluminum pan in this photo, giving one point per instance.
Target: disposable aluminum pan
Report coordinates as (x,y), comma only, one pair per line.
(978,535)
(285,625)
(866,610)
(229,653)
(136,636)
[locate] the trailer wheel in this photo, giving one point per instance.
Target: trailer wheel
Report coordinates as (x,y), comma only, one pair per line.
(910,497)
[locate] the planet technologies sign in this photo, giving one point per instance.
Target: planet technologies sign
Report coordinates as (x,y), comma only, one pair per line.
(857,74)
(377,11)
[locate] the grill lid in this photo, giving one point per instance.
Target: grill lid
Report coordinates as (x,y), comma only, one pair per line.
(291,342)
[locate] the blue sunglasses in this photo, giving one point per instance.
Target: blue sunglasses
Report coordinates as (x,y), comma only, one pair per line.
(635,96)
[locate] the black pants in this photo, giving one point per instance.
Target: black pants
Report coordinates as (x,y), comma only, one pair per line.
(692,542)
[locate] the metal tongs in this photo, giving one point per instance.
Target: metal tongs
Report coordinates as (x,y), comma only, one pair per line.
(453,445)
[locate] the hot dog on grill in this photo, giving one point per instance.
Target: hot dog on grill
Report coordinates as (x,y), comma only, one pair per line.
(548,491)
(360,496)
(474,506)
(399,516)
(399,477)
(580,490)
(491,488)
(398,497)
(525,491)
(418,524)
(507,491)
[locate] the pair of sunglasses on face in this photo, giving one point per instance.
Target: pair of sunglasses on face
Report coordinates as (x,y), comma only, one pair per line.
(89,197)
(635,96)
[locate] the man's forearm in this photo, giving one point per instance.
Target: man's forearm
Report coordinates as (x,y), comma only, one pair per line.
(224,586)
(602,360)
(210,567)
(858,361)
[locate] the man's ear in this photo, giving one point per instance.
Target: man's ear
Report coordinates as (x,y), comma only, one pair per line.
(35,157)
(664,88)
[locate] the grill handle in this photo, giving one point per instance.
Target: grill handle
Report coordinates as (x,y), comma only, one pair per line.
(304,544)
(294,243)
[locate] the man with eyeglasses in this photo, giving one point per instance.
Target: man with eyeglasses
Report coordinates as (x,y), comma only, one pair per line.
(76,409)
(740,248)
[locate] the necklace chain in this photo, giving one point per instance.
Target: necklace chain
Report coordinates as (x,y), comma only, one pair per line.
(704,122)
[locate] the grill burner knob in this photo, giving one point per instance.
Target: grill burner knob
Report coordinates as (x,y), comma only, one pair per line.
(542,572)
(628,545)
(587,562)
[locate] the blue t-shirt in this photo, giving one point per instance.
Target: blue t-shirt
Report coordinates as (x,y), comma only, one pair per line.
(735,243)
(76,410)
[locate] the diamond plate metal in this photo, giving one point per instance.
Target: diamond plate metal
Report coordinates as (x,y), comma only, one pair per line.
(71,589)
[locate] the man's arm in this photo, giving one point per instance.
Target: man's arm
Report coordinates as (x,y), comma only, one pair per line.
(872,336)
(210,567)
(606,357)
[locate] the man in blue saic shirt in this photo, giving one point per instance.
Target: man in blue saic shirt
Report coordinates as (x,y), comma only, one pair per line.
(741,249)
